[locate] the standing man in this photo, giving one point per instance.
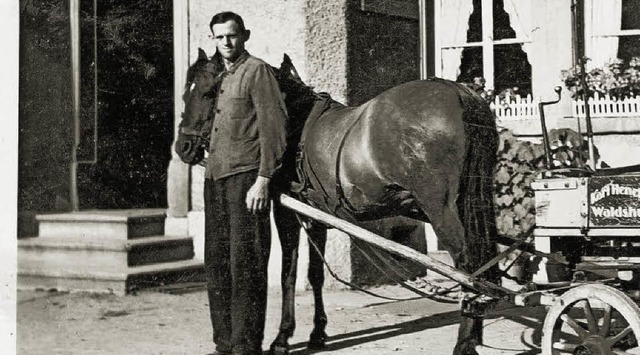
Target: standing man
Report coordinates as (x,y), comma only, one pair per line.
(247,142)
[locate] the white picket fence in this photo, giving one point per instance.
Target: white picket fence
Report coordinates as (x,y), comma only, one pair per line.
(522,108)
(606,106)
(515,108)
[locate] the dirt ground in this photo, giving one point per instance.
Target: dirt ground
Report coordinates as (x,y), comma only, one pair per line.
(164,323)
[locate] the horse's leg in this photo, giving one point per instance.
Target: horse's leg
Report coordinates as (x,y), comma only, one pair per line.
(470,330)
(450,231)
(289,235)
(317,242)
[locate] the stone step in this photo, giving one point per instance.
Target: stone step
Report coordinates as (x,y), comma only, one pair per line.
(101,224)
(152,250)
(120,282)
(105,254)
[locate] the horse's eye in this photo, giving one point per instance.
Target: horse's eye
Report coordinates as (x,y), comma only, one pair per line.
(193,86)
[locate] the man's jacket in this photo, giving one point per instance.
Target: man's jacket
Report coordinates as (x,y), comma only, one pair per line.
(249,127)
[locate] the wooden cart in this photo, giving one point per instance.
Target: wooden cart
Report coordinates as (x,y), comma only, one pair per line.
(594,309)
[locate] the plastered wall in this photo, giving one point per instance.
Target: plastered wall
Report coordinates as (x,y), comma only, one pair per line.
(326,46)
(277,27)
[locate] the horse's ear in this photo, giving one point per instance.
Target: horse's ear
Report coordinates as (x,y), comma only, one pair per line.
(202,55)
(287,65)
(217,60)
(287,60)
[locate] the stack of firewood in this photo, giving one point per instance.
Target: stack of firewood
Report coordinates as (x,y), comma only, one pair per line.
(519,162)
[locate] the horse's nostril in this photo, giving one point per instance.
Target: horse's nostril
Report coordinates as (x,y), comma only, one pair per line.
(186,146)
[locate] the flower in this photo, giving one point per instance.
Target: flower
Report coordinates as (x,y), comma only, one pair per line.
(618,79)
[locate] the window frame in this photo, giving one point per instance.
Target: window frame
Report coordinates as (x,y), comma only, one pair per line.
(591,32)
(487,43)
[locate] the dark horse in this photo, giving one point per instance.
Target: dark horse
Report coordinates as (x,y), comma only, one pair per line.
(424,149)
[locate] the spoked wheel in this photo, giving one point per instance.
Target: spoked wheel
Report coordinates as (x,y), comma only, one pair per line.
(592,319)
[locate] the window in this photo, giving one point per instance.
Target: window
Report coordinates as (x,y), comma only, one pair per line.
(612,30)
(484,38)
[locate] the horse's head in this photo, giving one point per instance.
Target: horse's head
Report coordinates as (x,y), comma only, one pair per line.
(199,97)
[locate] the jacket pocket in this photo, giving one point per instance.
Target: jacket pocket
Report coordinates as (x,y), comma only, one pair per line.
(244,153)
(241,122)
(240,108)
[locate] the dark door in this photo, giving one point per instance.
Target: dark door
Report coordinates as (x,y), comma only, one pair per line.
(127,103)
(44,111)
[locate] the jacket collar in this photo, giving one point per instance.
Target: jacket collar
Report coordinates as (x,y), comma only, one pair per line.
(241,59)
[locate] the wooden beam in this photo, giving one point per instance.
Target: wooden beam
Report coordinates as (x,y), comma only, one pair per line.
(450,272)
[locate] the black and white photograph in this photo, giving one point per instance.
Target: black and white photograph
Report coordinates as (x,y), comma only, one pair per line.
(249,177)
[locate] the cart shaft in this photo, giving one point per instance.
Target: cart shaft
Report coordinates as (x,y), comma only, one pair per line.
(486,288)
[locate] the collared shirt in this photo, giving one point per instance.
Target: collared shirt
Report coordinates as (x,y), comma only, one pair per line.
(249,127)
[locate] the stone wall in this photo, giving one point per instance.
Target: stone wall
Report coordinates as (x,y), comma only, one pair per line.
(326,42)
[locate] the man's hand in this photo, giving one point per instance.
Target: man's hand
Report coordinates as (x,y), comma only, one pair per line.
(258,195)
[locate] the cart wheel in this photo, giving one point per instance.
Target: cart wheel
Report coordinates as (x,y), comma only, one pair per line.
(592,319)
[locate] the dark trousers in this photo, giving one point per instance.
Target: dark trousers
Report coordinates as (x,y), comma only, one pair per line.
(237,245)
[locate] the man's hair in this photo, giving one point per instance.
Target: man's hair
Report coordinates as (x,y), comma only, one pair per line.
(225,16)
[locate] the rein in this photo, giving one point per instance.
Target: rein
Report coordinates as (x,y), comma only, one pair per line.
(342,202)
(441,295)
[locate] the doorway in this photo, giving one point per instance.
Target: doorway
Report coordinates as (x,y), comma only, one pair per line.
(127,103)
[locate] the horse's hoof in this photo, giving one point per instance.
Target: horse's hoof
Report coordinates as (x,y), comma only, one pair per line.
(317,340)
(279,349)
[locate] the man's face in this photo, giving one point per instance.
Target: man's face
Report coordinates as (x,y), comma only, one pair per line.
(229,40)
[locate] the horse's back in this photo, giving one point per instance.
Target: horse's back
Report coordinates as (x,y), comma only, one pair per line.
(407,135)
(412,123)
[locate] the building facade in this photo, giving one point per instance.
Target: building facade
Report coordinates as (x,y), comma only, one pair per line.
(357,49)
(352,49)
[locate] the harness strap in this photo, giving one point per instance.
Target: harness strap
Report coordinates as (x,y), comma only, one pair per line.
(341,206)
(306,174)
(341,200)
(440,296)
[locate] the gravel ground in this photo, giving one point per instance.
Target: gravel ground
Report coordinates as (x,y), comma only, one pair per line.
(164,323)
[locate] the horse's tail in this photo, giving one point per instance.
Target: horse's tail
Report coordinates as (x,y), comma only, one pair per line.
(475,202)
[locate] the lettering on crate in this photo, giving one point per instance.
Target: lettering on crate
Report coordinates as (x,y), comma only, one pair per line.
(612,189)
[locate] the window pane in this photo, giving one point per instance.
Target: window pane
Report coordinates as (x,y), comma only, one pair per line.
(512,69)
(630,14)
(629,47)
(501,23)
(471,66)
(474,33)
